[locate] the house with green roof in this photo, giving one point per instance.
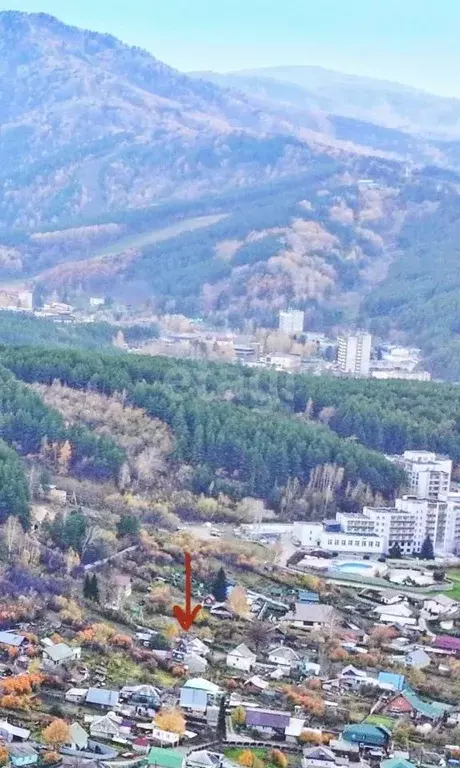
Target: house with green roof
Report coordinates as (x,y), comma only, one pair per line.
(409,703)
(396,762)
(159,757)
(367,735)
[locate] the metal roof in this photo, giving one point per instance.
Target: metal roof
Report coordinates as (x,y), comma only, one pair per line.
(59,652)
(102,696)
(10,638)
(165,758)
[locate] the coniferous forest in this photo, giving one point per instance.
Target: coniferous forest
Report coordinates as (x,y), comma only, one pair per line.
(247,431)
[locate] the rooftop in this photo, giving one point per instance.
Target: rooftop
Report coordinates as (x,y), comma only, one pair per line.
(165,758)
(102,696)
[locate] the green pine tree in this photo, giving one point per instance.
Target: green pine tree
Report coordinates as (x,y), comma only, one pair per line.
(87,587)
(221,730)
(395,551)
(427,552)
(220,586)
(94,589)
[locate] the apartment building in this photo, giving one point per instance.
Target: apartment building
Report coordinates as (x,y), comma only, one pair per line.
(354,354)
(291,321)
(411,520)
(428,475)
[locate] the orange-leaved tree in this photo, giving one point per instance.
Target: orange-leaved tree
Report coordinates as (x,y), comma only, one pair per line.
(171,720)
(56,734)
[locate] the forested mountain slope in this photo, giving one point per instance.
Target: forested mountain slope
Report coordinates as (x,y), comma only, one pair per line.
(90,124)
(384,103)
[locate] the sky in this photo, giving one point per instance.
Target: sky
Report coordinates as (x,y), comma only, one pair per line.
(408,41)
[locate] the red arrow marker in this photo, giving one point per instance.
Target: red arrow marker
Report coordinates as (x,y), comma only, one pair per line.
(187,617)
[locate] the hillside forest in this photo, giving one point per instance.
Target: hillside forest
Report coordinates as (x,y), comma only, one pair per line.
(228,431)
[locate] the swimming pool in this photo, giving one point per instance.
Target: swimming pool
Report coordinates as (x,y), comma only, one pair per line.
(355,567)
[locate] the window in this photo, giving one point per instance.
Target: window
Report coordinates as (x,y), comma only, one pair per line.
(329,541)
(356,543)
(344,543)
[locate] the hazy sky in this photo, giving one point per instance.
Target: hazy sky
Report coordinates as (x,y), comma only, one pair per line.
(410,41)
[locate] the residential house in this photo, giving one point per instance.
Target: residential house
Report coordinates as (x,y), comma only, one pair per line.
(141,745)
(439,605)
(146,695)
(102,697)
(267,721)
(353,676)
(409,704)
(11,639)
(397,610)
(309,668)
(78,738)
(283,656)
(196,665)
(417,658)
(22,754)
(367,735)
(397,682)
(109,726)
(165,758)
(256,684)
(396,762)
(319,757)
(60,655)
(197,646)
(241,658)
(164,738)
(294,729)
(76,695)
(308,597)
(346,749)
(451,645)
(312,616)
(204,759)
(10,732)
(198,693)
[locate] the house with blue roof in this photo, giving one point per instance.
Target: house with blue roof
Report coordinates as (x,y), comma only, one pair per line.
(308,597)
(397,682)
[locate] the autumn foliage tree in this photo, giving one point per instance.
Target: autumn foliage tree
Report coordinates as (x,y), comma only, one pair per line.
(238,602)
(238,716)
(246,758)
(278,758)
(56,734)
(171,720)
(3,755)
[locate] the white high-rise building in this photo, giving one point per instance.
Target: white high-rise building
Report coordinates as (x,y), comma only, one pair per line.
(428,474)
(410,521)
(291,321)
(354,354)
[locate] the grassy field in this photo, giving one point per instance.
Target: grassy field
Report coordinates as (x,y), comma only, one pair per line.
(387,722)
(454,575)
(157,235)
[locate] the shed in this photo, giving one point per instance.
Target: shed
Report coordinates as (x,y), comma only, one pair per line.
(308,597)
(22,754)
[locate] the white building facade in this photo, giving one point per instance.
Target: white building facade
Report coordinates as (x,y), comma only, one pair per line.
(339,537)
(291,321)
(428,474)
(411,520)
(354,354)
